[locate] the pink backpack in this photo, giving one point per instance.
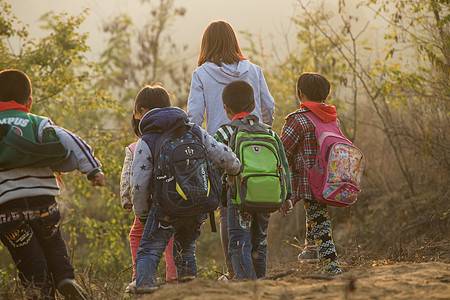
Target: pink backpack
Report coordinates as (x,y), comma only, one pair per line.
(336,175)
(132,146)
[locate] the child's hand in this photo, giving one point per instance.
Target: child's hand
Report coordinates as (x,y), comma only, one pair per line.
(128,206)
(231,179)
(286,208)
(98,179)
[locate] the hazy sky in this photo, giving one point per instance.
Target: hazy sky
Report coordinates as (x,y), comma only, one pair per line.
(268,18)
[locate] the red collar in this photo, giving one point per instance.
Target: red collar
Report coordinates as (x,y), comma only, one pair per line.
(12,105)
(240,115)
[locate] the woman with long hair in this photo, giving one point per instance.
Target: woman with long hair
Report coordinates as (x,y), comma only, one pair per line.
(220,62)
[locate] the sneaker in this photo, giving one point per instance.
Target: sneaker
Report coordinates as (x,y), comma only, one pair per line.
(224,277)
(70,290)
(310,255)
(130,286)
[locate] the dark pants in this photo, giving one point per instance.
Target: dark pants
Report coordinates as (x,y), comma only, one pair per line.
(29,228)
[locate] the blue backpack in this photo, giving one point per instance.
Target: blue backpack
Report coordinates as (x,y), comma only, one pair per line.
(184,180)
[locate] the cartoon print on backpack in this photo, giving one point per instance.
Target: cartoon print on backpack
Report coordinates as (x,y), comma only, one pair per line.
(346,164)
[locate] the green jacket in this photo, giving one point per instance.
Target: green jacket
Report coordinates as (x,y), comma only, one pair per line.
(29,145)
(21,145)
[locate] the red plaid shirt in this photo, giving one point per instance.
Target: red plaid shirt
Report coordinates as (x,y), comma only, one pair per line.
(298,134)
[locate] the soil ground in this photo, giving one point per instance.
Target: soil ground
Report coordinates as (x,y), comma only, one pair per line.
(429,280)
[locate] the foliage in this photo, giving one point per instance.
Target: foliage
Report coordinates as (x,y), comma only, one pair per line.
(64,89)
(392,90)
(393,103)
(146,54)
(311,52)
(72,91)
(392,96)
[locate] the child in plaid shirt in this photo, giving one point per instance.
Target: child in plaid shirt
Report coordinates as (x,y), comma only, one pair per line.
(298,137)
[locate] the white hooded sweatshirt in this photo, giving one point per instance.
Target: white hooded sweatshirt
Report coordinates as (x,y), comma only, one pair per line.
(208,82)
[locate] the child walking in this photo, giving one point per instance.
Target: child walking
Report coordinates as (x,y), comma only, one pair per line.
(220,62)
(153,108)
(247,232)
(138,228)
(29,214)
(298,137)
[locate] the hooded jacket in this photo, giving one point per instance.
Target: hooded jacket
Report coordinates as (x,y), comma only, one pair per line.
(161,120)
(208,82)
(298,135)
(26,181)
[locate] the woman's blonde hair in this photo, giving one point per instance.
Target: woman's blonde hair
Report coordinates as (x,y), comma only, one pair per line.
(219,44)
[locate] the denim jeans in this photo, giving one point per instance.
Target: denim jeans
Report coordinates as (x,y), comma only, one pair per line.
(224,239)
(29,229)
(247,233)
(158,230)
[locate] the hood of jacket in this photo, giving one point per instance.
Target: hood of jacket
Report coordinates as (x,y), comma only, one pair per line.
(162,119)
(326,113)
(227,73)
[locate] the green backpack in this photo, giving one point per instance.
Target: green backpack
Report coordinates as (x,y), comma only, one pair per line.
(263,188)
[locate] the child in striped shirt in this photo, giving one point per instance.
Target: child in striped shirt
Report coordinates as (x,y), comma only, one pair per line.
(247,232)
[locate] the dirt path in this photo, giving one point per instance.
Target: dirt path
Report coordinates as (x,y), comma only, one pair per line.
(396,281)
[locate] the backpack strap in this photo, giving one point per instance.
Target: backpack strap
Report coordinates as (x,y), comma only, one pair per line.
(251,122)
(313,118)
(212,221)
(325,132)
(160,135)
(196,130)
(234,124)
(132,147)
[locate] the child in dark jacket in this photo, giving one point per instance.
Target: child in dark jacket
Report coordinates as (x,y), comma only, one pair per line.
(153,108)
(138,228)
(29,214)
(247,232)
(298,137)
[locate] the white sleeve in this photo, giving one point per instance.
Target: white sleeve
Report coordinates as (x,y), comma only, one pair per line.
(125,196)
(196,101)
(84,153)
(220,155)
(141,172)
(267,102)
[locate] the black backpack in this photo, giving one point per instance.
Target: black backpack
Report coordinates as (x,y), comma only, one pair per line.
(184,180)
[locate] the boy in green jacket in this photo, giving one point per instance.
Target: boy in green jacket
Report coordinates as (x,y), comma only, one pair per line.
(29,215)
